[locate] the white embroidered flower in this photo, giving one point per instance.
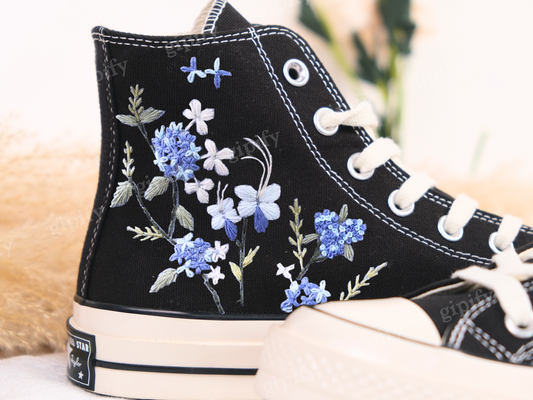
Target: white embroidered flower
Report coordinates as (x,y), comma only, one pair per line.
(200,188)
(224,215)
(285,271)
(260,203)
(215,275)
(185,242)
(198,116)
(219,252)
(214,158)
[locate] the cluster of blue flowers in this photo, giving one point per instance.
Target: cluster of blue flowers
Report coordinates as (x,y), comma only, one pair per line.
(313,294)
(334,235)
(195,254)
(175,152)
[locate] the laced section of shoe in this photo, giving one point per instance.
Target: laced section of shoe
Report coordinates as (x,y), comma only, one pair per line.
(504,281)
(402,200)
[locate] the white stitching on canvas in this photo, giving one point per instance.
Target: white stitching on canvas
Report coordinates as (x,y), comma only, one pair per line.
(111,168)
(491,344)
(214,15)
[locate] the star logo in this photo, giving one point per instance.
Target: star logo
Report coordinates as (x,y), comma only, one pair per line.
(80,375)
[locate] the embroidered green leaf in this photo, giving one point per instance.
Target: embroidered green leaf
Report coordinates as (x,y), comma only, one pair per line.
(185,218)
(293,226)
(152,233)
(292,241)
(122,194)
(348,252)
(311,237)
(354,291)
(158,186)
(250,257)
(165,278)
(150,115)
(343,214)
(236,271)
(128,120)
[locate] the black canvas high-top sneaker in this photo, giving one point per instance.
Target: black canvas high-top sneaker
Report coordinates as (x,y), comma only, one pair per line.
(237,185)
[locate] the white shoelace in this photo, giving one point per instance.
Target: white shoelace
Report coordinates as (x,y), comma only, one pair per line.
(414,188)
(505,282)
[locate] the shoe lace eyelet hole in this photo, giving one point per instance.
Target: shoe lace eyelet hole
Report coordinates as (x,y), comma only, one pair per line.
(296,72)
(518,331)
(318,125)
(492,243)
(400,212)
(452,238)
(356,174)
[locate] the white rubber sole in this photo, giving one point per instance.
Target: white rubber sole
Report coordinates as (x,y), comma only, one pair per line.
(315,355)
(153,357)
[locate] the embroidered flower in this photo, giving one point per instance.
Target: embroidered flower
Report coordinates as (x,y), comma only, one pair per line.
(224,215)
(200,188)
(215,275)
(292,294)
(214,158)
(195,254)
(314,294)
(175,152)
(285,271)
(219,252)
(334,236)
(260,203)
(193,71)
(198,117)
(217,72)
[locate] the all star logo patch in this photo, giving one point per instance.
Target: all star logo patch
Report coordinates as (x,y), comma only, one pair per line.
(81,355)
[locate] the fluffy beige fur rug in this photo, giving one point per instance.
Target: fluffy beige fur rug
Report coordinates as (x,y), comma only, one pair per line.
(45,204)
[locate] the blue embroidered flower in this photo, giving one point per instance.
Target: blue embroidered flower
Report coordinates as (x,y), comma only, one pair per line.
(260,203)
(314,294)
(195,254)
(224,215)
(193,71)
(333,236)
(217,72)
(175,152)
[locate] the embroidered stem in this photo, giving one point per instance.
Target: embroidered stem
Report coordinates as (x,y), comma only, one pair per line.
(295,226)
(176,199)
(317,257)
(214,293)
(354,291)
(242,256)
(145,134)
(147,213)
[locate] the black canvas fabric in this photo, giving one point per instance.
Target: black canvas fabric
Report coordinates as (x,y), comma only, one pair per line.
(478,313)
(255,101)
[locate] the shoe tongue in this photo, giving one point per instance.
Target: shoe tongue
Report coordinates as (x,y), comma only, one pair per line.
(221,17)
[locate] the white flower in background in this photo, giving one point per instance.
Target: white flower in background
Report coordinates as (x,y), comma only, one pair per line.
(260,203)
(224,215)
(198,116)
(215,275)
(214,158)
(285,271)
(200,188)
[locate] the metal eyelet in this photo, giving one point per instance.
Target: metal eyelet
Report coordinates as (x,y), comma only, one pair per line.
(492,243)
(296,72)
(518,331)
(356,174)
(318,125)
(446,235)
(400,212)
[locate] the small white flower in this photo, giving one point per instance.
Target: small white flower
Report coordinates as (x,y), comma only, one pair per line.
(215,275)
(285,271)
(224,215)
(185,242)
(198,116)
(219,251)
(214,158)
(200,188)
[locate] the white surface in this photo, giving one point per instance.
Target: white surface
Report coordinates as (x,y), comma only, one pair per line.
(39,377)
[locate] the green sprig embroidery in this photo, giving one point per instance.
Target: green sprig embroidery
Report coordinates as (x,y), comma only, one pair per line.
(296,225)
(355,290)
